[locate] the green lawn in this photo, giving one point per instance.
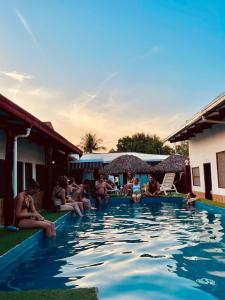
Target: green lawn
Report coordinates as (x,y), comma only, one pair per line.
(213,203)
(10,239)
(77,294)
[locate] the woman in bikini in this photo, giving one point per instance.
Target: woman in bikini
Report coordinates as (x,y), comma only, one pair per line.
(60,200)
(128,185)
(153,188)
(26,214)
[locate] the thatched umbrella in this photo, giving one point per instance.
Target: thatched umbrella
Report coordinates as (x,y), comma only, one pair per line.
(174,163)
(125,163)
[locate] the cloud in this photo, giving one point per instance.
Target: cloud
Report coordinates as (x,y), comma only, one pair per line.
(20,77)
(93,97)
(28,28)
(108,111)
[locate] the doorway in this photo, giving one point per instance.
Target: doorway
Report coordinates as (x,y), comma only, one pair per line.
(208,181)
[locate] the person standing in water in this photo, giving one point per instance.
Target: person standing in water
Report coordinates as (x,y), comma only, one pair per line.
(101,187)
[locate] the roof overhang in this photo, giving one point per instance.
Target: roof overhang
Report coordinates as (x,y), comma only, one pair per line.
(212,114)
(14,115)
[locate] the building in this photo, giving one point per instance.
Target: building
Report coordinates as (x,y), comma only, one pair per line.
(89,165)
(205,132)
(29,148)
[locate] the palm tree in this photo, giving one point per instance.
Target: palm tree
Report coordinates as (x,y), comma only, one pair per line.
(90,143)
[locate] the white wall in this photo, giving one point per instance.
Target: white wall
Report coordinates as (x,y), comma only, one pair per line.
(27,151)
(30,152)
(203,149)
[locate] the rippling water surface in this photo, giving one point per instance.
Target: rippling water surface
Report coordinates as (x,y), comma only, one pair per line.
(152,251)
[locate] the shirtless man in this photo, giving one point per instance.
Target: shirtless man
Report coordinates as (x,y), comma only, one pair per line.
(101,187)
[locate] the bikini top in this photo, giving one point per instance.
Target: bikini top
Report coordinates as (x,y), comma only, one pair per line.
(26,203)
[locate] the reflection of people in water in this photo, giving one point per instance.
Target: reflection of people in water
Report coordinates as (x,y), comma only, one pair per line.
(191,198)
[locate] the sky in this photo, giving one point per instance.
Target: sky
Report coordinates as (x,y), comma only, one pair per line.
(112,67)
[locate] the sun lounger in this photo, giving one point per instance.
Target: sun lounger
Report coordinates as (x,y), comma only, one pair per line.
(168,184)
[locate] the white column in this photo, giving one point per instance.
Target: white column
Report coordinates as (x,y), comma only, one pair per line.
(24,176)
(15,168)
(34,171)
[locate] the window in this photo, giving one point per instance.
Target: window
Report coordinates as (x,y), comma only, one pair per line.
(19,176)
(221,169)
(196,176)
(28,173)
(41,176)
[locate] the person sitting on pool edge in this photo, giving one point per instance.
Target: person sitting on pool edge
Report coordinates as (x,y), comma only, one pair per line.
(128,186)
(101,187)
(81,195)
(152,188)
(136,191)
(61,202)
(26,214)
(71,186)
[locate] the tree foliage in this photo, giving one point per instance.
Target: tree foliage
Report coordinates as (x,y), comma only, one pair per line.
(182,148)
(142,143)
(90,143)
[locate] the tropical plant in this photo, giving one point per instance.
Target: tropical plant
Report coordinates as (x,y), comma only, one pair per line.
(143,143)
(90,143)
(182,148)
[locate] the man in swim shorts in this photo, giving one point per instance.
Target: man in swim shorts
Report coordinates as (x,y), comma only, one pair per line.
(101,187)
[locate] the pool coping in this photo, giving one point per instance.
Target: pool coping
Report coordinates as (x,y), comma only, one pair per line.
(210,207)
(10,256)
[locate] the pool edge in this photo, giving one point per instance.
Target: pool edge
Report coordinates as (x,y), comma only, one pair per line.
(18,250)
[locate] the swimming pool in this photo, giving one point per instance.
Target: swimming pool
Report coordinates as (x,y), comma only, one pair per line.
(148,251)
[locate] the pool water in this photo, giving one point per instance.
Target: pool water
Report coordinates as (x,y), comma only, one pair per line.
(149,251)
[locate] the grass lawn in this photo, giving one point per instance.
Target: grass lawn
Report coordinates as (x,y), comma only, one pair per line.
(10,239)
(213,203)
(77,294)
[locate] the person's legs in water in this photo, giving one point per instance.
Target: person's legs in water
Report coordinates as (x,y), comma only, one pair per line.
(100,200)
(86,203)
(76,208)
(138,197)
(134,198)
(46,225)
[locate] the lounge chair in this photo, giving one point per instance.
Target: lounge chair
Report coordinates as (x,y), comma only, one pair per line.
(113,191)
(168,184)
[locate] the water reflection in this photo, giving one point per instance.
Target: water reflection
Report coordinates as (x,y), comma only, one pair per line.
(142,251)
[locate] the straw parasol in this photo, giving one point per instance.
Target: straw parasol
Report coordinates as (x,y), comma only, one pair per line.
(174,163)
(124,163)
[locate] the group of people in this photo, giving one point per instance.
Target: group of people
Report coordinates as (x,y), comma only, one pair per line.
(67,195)
(151,189)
